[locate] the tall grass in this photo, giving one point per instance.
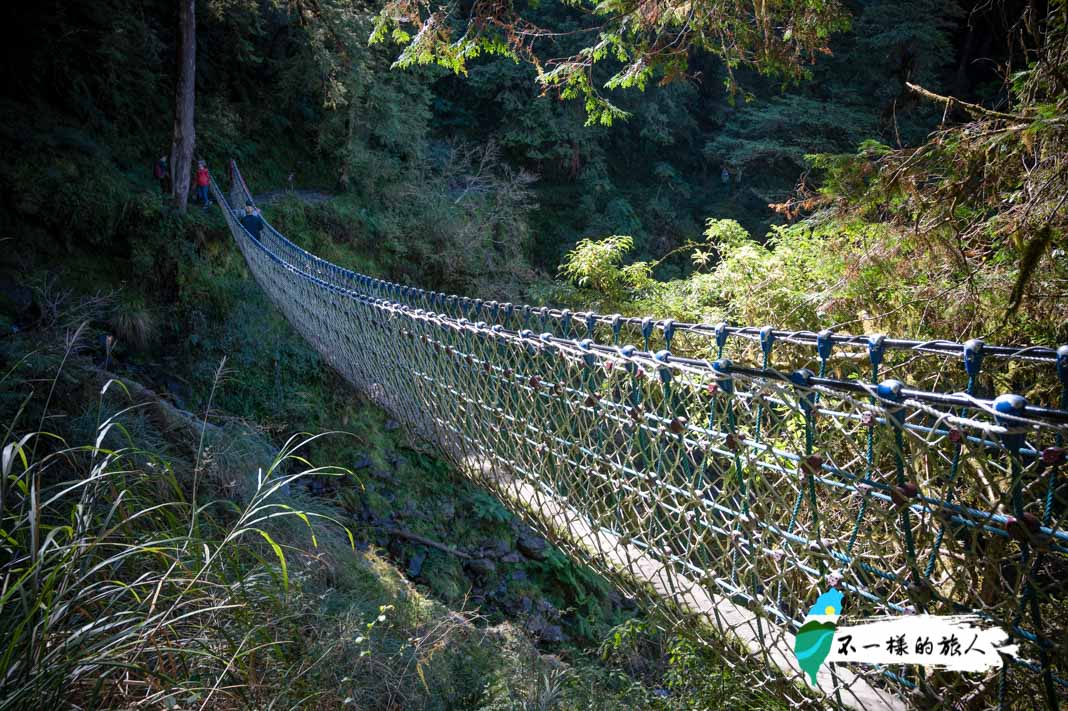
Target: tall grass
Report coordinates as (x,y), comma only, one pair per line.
(121,587)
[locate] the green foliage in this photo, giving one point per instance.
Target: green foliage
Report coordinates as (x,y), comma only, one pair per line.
(133,321)
(771,138)
(598,265)
(628,39)
(114,560)
(982,202)
(296,89)
(489,508)
(786,280)
(687,673)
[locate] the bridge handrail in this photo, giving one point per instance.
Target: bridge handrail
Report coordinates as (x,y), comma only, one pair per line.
(824,340)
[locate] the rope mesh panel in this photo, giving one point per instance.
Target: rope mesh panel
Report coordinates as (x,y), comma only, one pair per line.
(727,497)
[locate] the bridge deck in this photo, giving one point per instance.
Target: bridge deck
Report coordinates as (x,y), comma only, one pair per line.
(763,639)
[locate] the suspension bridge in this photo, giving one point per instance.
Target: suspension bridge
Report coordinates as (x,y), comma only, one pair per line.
(728,475)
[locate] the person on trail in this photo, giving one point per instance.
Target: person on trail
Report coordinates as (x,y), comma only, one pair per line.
(725,176)
(252,220)
(203,181)
(162,172)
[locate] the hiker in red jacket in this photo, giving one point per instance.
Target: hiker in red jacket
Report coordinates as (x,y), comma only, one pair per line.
(203,180)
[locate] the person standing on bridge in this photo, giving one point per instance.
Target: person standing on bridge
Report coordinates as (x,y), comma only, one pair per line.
(162,173)
(203,181)
(252,220)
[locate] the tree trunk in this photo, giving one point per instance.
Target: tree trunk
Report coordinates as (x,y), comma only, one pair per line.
(963,84)
(184,101)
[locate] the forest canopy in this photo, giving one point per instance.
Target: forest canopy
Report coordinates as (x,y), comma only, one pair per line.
(642,40)
(937,125)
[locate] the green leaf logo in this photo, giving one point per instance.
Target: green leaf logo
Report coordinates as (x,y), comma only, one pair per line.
(814,639)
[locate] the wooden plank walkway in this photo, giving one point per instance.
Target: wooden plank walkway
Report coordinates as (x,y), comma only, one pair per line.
(762,639)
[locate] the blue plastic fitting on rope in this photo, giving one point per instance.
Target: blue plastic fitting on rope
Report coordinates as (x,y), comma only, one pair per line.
(767,340)
(1062,365)
(973,356)
(662,357)
(565,321)
(669,331)
(617,325)
(526,314)
(1008,406)
(876,350)
(509,310)
(891,390)
(543,315)
(586,346)
(527,335)
(492,309)
(647,328)
(803,379)
(627,353)
(497,328)
(547,343)
(824,344)
(478,307)
(723,367)
(591,323)
(721,334)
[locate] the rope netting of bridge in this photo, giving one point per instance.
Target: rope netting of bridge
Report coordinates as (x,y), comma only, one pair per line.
(729,487)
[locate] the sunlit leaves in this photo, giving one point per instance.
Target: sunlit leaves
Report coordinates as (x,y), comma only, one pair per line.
(636,40)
